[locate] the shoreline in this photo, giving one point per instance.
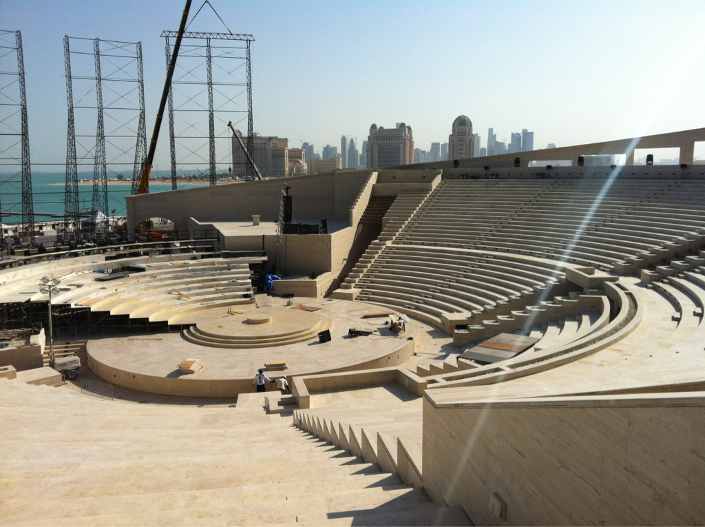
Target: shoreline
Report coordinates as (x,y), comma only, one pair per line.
(128,183)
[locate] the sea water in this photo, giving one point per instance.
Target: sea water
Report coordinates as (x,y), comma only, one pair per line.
(48,192)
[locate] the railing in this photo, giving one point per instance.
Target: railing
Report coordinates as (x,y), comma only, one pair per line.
(88,251)
(362,199)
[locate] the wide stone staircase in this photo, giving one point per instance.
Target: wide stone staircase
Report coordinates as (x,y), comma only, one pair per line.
(76,460)
(396,217)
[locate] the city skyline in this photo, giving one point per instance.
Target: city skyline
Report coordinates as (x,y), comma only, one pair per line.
(589,96)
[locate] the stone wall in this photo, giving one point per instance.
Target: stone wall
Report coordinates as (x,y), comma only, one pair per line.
(322,196)
(590,460)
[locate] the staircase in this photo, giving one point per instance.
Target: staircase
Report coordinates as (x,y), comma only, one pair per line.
(387,458)
(64,350)
(397,216)
(120,463)
(368,229)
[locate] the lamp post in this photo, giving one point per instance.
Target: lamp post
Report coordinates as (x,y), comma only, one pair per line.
(49,286)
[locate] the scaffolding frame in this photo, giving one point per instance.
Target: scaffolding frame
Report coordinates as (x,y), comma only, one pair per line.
(16,103)
(123,80)
(209,46)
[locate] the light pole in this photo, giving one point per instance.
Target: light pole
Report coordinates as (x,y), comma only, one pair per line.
(49,286)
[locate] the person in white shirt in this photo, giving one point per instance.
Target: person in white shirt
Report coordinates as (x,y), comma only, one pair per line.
(261,380)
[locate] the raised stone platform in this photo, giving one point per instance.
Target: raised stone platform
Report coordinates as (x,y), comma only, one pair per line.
(150,363)
(269,326)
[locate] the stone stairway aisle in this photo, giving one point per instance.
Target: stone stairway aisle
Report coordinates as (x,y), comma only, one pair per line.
(396,217)
(79,461)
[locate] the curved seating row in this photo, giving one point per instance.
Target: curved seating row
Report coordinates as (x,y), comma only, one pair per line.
(612,225)
(444,281)
(609,327)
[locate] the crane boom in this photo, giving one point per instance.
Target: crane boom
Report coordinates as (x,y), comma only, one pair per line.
(147,166)
(250,161)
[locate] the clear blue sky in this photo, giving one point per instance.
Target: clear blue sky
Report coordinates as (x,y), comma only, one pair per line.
(573,71)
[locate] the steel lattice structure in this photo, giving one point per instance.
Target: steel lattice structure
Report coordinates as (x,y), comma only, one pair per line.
(214,77)
(105,100)
(14,128)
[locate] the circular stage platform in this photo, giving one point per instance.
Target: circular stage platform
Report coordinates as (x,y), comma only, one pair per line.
(232,345)
(272,326)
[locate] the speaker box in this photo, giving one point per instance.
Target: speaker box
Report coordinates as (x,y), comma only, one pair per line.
(324,336)
(288,208)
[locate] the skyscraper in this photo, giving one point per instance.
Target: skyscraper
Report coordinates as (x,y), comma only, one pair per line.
(444,151)
(460,139)
(527,140)
(309,152)
(363,155)
(476,141)
(353,155)
(330,152)
(390,147)
(515,144)
(491,139)
(435,151)
(344,151)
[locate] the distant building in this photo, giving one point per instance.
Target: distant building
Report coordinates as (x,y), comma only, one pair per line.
(297,162)
(435,151)
(476,142)
(499,148)
(271,155)
(551,145)
(344,150)
(483,152)
(527,140)
(363,155)
(322,166)
(515,144)
(444,151)
(353,155)
(390,147)
(329,152)
(421,156)
(309,152)
(491,139)
(460,139)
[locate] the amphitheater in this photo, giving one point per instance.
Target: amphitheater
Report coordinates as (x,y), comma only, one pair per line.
(552,369)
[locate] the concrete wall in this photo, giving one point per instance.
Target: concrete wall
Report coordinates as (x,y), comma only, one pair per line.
(322,196)
(21,357)
(592,460)
(393,182)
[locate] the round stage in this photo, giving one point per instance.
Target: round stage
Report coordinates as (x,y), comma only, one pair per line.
(230,346)
(265,327)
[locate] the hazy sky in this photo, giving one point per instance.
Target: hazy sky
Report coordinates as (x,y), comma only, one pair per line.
(573,71)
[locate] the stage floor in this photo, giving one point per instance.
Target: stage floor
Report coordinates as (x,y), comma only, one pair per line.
(150,362)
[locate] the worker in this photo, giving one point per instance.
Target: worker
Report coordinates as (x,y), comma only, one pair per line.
(261,380)
(403,319)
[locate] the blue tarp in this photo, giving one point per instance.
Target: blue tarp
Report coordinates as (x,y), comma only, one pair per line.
(269,280)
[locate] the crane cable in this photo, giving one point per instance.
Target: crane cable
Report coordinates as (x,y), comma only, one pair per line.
(214,11)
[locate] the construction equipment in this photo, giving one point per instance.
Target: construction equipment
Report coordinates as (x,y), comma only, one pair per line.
(250,161)
(147,167)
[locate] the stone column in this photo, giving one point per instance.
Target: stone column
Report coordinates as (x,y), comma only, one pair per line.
(686,153)
(630,157)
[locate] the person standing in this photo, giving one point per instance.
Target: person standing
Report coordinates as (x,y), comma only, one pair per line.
(261,380)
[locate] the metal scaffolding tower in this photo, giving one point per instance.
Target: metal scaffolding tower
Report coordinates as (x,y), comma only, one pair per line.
(14,129)
(107,76)
(72,218)
(214,78)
